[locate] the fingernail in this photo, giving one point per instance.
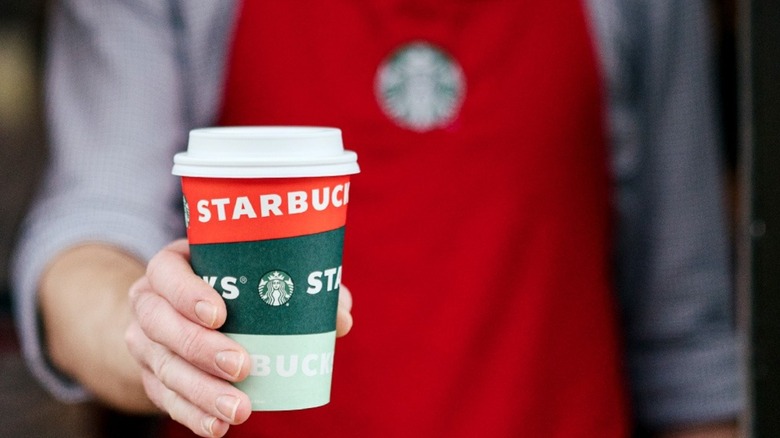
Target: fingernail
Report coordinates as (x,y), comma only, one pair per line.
(230,362)
(208,424)
(227,405)
(206,313)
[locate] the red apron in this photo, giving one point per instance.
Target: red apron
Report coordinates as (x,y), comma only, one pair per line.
(477,243)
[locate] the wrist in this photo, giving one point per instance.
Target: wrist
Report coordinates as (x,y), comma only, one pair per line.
(84,310)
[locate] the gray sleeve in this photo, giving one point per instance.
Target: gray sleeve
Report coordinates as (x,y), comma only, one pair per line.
(674,272)
(114,103)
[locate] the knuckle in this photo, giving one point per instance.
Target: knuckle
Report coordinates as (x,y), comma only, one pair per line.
(191,341)
(154,264)
(154,390)
(198,393)
(180,409)
(137,290)
(134,291)
(164,367)
(133,338)
(175,406)
(145,311)
(180,294)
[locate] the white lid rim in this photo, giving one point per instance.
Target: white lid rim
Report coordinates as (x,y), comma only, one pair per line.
(264,160)
(291,171)
(285,132)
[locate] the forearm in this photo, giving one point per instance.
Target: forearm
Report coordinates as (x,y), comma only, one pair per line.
(85,311)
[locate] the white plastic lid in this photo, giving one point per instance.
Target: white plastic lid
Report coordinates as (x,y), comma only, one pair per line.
(265,152)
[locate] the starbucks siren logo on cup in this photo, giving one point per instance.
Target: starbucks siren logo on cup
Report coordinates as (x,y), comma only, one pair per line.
(265,209)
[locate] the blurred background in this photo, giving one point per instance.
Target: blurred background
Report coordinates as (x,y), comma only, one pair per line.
(22,155)
(25,409)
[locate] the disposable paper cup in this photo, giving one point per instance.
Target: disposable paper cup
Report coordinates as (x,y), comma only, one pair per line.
(265,209)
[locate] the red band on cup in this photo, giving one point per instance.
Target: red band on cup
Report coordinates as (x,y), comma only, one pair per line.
(223,210)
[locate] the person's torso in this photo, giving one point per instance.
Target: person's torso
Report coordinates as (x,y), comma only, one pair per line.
(477,241)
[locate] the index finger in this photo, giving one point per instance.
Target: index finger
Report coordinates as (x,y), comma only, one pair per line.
(171,276)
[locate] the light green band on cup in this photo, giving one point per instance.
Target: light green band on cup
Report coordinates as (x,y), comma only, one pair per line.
(288,371)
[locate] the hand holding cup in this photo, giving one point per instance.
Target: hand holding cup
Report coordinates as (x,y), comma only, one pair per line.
(187,364)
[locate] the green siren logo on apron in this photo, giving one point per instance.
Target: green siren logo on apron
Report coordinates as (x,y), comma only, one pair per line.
(276,288)
(420,87)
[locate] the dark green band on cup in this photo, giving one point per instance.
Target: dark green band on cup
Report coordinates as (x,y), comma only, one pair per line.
(275,287)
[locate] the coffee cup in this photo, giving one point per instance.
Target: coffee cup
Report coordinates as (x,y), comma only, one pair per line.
(265,209)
